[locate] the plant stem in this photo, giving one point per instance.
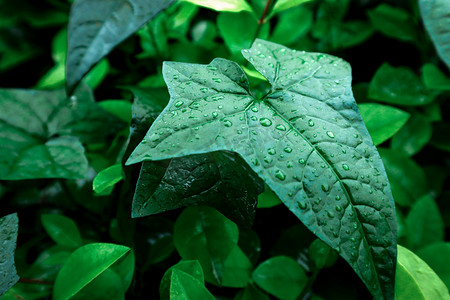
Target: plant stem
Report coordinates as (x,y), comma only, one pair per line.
(308,285)
(261,20)
(35,281)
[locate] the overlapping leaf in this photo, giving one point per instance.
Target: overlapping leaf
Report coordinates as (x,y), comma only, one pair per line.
(39,131)
(9,226)
(96,27)
(305,139)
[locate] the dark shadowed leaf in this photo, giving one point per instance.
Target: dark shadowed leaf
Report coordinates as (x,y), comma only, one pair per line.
(437,22)
(191,267)
(412,137)
(62,230)
(434,78)
(39,131)
(305,139)
(437,256)
(96,27)
(9,227)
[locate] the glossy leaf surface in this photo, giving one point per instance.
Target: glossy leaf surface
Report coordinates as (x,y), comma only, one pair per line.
(382,121)
(107,178)
(223,5)
(185,286)
(62,230)
(280,276)
(9,227)
(191,267)
(437,22)
(39,131)
(84,265)
(305,139)
(416,280)
(95,28)
(202,233)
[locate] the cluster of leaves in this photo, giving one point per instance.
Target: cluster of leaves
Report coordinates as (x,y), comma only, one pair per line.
(235,136)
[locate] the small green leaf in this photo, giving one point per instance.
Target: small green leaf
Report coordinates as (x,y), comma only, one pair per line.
(281,5)
(118,108)
(393,22)
(310,148)
(408,180)
(223,5)
(204,234)
(9,227)
(437,256)
(95,28)
(237,269)
(105,180)
(424,224)
(191,267)
(434,78)
(185,286)
(106,285)
(83,266)
(62,230)
(268,199)
(414,279)
(399,86)
(280,276)
(412,137)
(437,22)
(251,293)
(292,25)
(230,27)
(322,255)
(382,121)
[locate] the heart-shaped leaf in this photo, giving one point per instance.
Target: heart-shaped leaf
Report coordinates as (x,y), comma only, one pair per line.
(96,27)
(305,139)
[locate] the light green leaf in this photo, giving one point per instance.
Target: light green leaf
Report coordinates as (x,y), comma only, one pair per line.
(268,199)
(83,266)
(281,5)
(399,86)
(437,256)
(107,285)
(62,230)
(204,234)
(39,129)
(382,121)
(424,224)
(118,108)
(305,139)
(434,78)
(230,26)
(186,287)
(223,5)
(191,267)
(280,276)
(393,22)
(437,22)
(414,279)
(105,180)
(9,227)
(408,180)
(412,137)
(96,27)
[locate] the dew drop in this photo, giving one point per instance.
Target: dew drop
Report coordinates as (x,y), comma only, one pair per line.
(280,175)
(338,198)
(265,122)
(218,80)
(288,149)
(175,76)
(254,118)
(281,127)
(262,55)
(268,159)
(227,123)
(302,161)
(254,109)
(203,90)
(215,114)
(330,215)
(302,205)
(310,123)
(330,134)
(179,103)
(218,97)
(325,187)
(345,167)
(271,151)
(338,208)
(271,65)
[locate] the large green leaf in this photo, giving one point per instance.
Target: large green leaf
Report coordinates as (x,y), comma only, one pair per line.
(9,226)
(84,266)
(96,27)
(382,121)
(38,130)
(305,139)
(437,256)
(416,280)
(281,276)
(204,234)
(216,179)
(399,86)
(437,22)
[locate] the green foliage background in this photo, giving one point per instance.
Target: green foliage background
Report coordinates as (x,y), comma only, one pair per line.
(81,84)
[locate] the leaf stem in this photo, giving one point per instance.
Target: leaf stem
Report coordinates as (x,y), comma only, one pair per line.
(306,290)
(261,21)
